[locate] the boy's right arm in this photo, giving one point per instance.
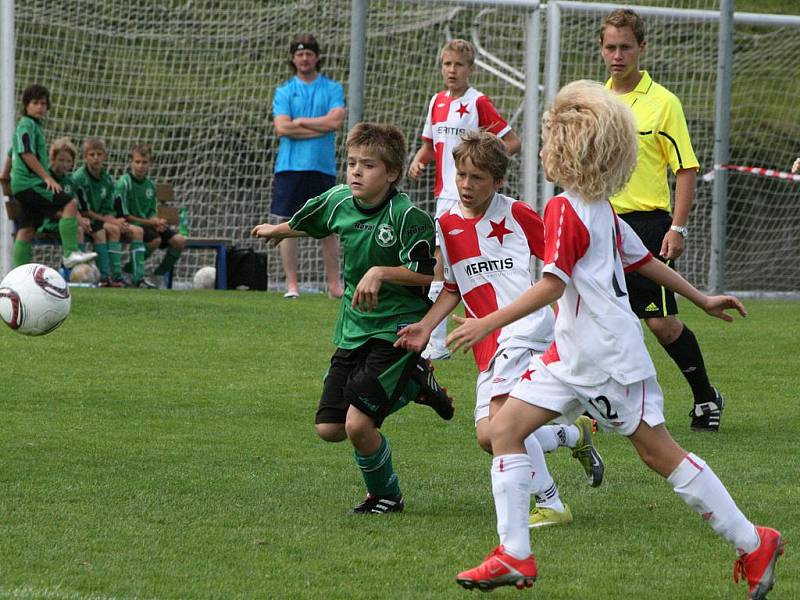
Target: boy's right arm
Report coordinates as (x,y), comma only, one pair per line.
(276,233)
(421,159)
(415,337)
(35,166)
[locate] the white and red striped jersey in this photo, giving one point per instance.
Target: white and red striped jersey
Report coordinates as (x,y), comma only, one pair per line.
(447,119)
(597,336)
(487,260)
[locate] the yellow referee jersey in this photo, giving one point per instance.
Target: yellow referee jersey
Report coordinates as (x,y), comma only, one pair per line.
(663,141)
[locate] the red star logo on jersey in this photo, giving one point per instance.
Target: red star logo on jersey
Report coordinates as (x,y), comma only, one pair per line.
(499,230)
(527,374)
(462,109)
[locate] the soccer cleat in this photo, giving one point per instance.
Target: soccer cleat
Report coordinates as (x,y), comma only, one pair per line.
(758,567)
(706,416)
(545,517)
(499,568)
(431,353)
(77,257)
(111,283)
(379,505)
(145,284)
(430,392)
(587,454)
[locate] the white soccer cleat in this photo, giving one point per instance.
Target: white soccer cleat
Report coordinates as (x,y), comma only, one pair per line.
(433,353)
(78,257)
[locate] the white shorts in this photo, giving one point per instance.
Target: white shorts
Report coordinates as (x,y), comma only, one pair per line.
(443,205)
(616,407)
(508,365)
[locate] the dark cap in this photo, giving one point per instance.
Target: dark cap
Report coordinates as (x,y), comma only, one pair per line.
(304,41)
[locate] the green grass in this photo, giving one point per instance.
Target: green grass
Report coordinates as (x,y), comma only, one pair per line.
(160,445)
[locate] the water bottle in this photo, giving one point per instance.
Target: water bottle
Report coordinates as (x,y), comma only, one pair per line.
(183,222)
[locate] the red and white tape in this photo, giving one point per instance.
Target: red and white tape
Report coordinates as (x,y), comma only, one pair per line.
(760,171)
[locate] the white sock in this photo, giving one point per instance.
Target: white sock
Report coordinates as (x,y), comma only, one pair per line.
(511,487)
(542,483)
(698,486)
(552,437)
(439,333)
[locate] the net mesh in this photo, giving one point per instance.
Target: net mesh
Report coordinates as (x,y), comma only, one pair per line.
(196,80)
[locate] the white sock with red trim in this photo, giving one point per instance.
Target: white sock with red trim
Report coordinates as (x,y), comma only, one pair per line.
(543,486)
(511,487)
(698,486)
(551,437)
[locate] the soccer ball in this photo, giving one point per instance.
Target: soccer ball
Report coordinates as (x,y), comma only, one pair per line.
(34,299)
(84,273)
(205,278)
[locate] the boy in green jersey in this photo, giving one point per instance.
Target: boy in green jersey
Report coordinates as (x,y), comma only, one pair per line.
(388,245)
(96,195)
(137,194)
(39,195)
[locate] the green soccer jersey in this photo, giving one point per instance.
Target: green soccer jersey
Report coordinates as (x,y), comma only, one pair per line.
(28,139)
(138,198)
(95,194)
(392,234)
(68,187)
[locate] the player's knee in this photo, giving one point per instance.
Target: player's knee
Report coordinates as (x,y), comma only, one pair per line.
(331,432)
(178,242)
(70,208)
(25,234)
(112,229)
(666,329)
(137,233)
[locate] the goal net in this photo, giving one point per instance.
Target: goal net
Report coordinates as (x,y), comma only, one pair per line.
(196,81)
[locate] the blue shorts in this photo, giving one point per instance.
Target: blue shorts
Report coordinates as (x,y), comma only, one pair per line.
(291,190)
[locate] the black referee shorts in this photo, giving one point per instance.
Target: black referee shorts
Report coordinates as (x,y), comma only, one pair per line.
(647,298)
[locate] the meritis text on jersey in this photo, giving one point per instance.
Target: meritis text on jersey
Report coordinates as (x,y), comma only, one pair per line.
(489,266)
(454,131)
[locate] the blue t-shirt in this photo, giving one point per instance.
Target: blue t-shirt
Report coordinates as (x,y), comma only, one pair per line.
(295,98)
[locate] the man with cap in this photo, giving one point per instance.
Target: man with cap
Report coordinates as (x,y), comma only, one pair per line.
(307,110)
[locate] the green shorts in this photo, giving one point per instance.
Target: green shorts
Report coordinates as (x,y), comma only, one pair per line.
(375,377)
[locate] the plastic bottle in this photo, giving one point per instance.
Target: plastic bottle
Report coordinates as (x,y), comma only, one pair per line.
(183,222)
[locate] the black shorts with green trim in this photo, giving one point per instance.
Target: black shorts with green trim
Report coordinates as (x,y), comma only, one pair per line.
(647,298)
(375,378)
(36,205)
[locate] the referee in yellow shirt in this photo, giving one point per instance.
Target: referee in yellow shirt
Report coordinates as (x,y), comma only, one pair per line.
(645,202)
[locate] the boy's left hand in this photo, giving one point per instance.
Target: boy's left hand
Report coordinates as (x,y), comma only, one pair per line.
(716,306)
(365,297)
(467,334)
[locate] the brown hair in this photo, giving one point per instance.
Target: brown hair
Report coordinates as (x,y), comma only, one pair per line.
(383,140)
(94,143)
(486,151)
(590,141)
(624,17)
(142,150)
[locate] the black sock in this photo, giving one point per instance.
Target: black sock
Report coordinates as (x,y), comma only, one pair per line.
(685,351)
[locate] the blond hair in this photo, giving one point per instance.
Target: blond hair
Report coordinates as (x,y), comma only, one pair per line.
(487,152)
(94,143)
(63,144)
(463,47)
(142,150)
(384,141)
(591,141)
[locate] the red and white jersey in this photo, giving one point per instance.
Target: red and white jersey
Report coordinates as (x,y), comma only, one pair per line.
(487,260)
(448,118)
(597,336)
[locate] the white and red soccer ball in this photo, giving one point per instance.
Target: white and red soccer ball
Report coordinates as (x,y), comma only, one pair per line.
(34,299)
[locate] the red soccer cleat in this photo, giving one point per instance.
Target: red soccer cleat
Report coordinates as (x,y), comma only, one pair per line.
(497,569)
(758,567)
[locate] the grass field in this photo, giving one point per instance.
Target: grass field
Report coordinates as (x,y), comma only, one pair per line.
(160,445)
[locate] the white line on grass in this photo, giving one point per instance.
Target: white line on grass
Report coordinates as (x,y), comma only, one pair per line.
(28,592)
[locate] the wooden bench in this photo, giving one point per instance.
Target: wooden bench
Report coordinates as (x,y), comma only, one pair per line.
(165,194)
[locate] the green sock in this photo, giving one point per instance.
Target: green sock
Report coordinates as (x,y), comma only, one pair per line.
(103,260)
(137,251)
(168,262)
(377,471)
(115,254)
(68,230)
(21,253)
